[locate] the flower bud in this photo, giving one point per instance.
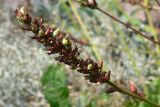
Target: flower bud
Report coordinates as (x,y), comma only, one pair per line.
(92,3)
(100,64)
(41,32)
(133,88)
(34,28)
(89,67)
(89,3)
(23,16)
(47,31)
(55,32)
(65,41)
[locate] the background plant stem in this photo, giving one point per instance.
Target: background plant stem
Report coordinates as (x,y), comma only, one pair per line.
(128,26)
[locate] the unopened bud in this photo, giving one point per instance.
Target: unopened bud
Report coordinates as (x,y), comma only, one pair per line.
(41,32)
(100,64)
(55,32)
(89,67)
(89,3)
(47,31)
(34,28)
(132,87)
(92,3)
(65,41)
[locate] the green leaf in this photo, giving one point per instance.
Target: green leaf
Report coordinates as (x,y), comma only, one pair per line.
(93,103)
(54,87)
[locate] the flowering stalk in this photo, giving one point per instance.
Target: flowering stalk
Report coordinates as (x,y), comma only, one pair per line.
(58,42)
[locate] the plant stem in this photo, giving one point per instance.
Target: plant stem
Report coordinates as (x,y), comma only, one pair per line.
(152,7)
(158,2)
(128,26)
(121,90)
(150,22)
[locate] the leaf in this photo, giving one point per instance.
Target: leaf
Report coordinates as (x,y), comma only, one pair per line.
(54,87)
(93,103)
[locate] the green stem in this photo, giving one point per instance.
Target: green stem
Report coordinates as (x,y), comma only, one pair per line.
(121,90)
(150,22)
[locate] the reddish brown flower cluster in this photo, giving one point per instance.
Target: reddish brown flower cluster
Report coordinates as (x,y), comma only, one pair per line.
(58,42)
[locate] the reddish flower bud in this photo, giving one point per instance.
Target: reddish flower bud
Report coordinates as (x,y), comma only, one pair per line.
(47,32)
(132,86)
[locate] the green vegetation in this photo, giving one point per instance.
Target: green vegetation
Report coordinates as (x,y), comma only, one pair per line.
(54,87)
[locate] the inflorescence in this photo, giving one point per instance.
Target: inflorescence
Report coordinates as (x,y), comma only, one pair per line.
(58,42)
(61,43)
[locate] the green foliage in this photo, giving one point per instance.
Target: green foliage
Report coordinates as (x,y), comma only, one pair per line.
(55,88)
(153,95)
(103,97)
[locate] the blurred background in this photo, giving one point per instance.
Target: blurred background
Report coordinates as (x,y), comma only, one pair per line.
(31,78)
